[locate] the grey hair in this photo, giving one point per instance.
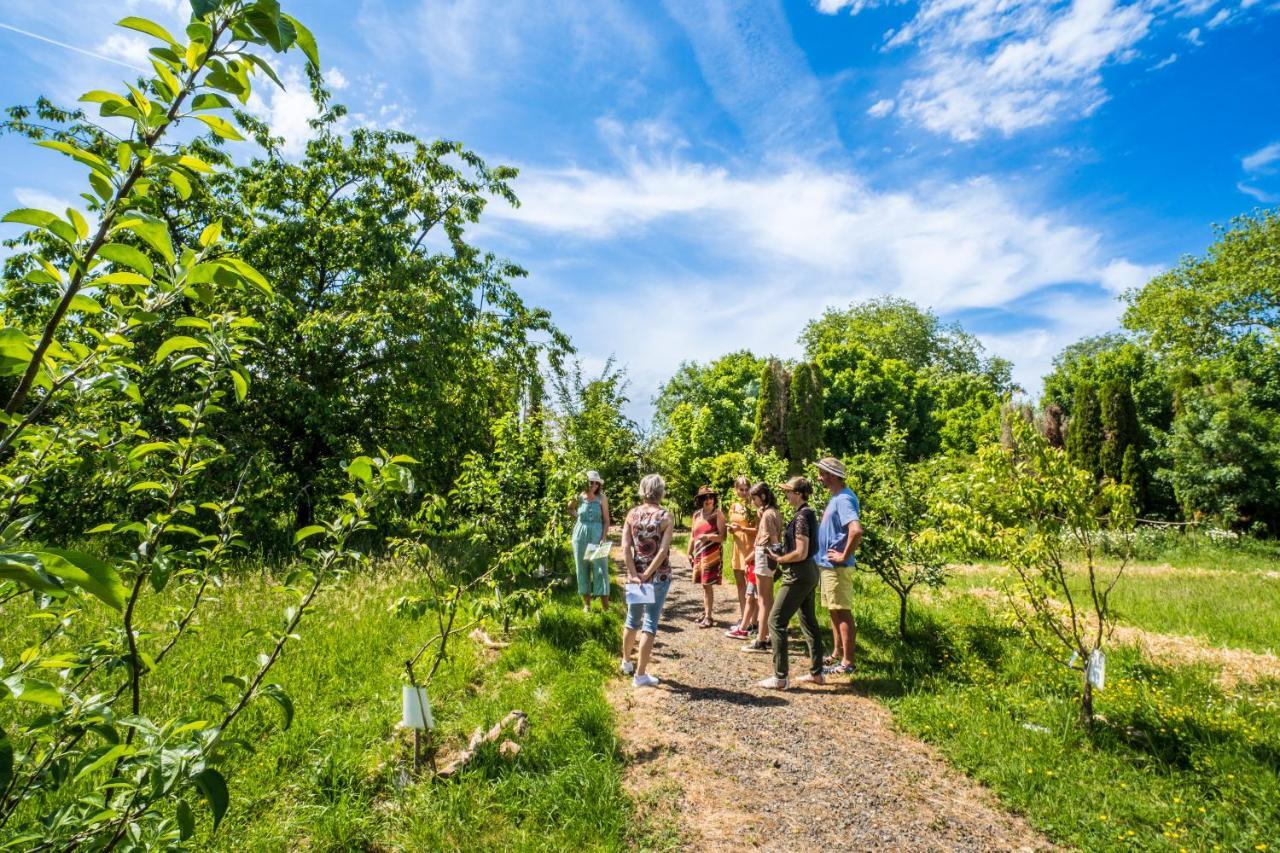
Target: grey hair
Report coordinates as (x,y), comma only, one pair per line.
(653,488)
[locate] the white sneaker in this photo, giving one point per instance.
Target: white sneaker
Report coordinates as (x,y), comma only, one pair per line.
(628,668)
(774,683)
(644,681)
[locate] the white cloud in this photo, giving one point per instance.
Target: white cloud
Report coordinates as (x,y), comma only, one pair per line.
(1257,193)
(1262,158)
(881,108)
(1165,63)
(127,48)
(335,79)
(1222,16)
(757,73)
(987,65)
(287,111)
(1004,66)
(1122,274)
(805,238)
(41,200)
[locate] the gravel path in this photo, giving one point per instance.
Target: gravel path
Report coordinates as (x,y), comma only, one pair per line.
(821,767)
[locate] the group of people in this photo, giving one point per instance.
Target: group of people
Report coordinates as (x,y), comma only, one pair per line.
(779,569)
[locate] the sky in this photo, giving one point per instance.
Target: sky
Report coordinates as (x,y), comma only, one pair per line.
(702,176)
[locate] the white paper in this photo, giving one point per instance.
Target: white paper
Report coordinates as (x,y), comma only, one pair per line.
(415,709)
(598,551)
(639,593)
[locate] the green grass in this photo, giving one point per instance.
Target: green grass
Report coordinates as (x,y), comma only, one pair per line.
(1174,762)
(333,781)
(1231,608)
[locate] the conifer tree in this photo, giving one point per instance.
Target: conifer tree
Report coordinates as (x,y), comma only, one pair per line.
(1119,427)
(804,415)
(771,410)
(1084,433)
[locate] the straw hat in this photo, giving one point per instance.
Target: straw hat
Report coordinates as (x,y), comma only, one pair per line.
(704,492)
(832,466)
(799,485)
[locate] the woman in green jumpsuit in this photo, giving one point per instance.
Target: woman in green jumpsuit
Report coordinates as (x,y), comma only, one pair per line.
(592,527)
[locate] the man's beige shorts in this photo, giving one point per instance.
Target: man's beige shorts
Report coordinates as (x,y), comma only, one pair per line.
(837,588)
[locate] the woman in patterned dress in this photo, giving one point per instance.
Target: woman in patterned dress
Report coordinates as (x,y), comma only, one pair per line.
(705,550)
(646,543)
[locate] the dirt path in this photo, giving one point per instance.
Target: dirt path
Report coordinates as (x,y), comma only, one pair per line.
(737,766)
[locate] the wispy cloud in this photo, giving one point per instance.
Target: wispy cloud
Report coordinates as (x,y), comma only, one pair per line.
(1259,167)
(1004,66)
(806,237)
(1263,158)
(106,55)
(758,74)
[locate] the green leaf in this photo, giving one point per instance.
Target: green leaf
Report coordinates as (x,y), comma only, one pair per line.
(93,161)
(6,761)
(361,468)
(170,81)
(305,41)
(33,690)
(221,127)
(151,28)
(152,231)
(195,164)
(43,219)
(15,351)
(214,789)
(210,101)
(276,693)
(186,820)
(105,755)
(211,233)
(148,486)
(307,532)
(78,222)
(100,96)
(25,569)
(144,450)
(200,31)
(241,383)
(119,253)
(176,344)
(86,571)
(126,278)
(181,183)
(84,304)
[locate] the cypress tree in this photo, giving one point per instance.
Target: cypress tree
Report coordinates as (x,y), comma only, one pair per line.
(1119,427)
(1132,475)
(1051,425)
(771,410)
(804,415)
(1084,433)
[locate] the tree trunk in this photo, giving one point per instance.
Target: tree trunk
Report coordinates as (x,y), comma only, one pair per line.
(902,614)
(1086,701)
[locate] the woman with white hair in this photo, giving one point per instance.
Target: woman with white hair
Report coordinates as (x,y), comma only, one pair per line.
(646,544)
(591,529)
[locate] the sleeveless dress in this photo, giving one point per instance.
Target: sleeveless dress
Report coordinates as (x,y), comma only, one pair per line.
(706,556)
(593,575)
(743,543)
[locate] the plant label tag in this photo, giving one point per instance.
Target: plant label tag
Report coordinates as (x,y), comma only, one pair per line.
(415,709)
(599,551)
(639,593)
(1096,671)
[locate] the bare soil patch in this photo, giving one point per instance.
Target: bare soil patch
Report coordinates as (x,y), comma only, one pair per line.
(1235,666)
(736,766)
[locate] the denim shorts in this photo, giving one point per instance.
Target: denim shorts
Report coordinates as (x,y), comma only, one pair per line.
(645,616)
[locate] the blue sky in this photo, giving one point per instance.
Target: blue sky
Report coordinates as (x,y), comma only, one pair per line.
(699,177)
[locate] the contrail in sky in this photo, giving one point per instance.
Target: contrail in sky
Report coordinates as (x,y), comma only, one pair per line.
(101,56)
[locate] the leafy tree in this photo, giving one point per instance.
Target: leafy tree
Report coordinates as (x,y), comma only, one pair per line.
(592,429)
(387,326)
(771,410)
(863,394)
(804,416)
(1084,433)
(1226,456)
(893,328)
(966,410)
(1036,509)
(905,540)
(117,308)
(1206,306)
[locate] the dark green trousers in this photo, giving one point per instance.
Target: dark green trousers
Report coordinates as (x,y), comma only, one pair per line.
(795,594)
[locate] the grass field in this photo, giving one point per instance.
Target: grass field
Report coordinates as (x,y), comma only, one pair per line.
(1177,761)
(333,781)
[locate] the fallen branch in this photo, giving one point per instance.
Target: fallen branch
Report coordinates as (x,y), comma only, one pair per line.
(517,720)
